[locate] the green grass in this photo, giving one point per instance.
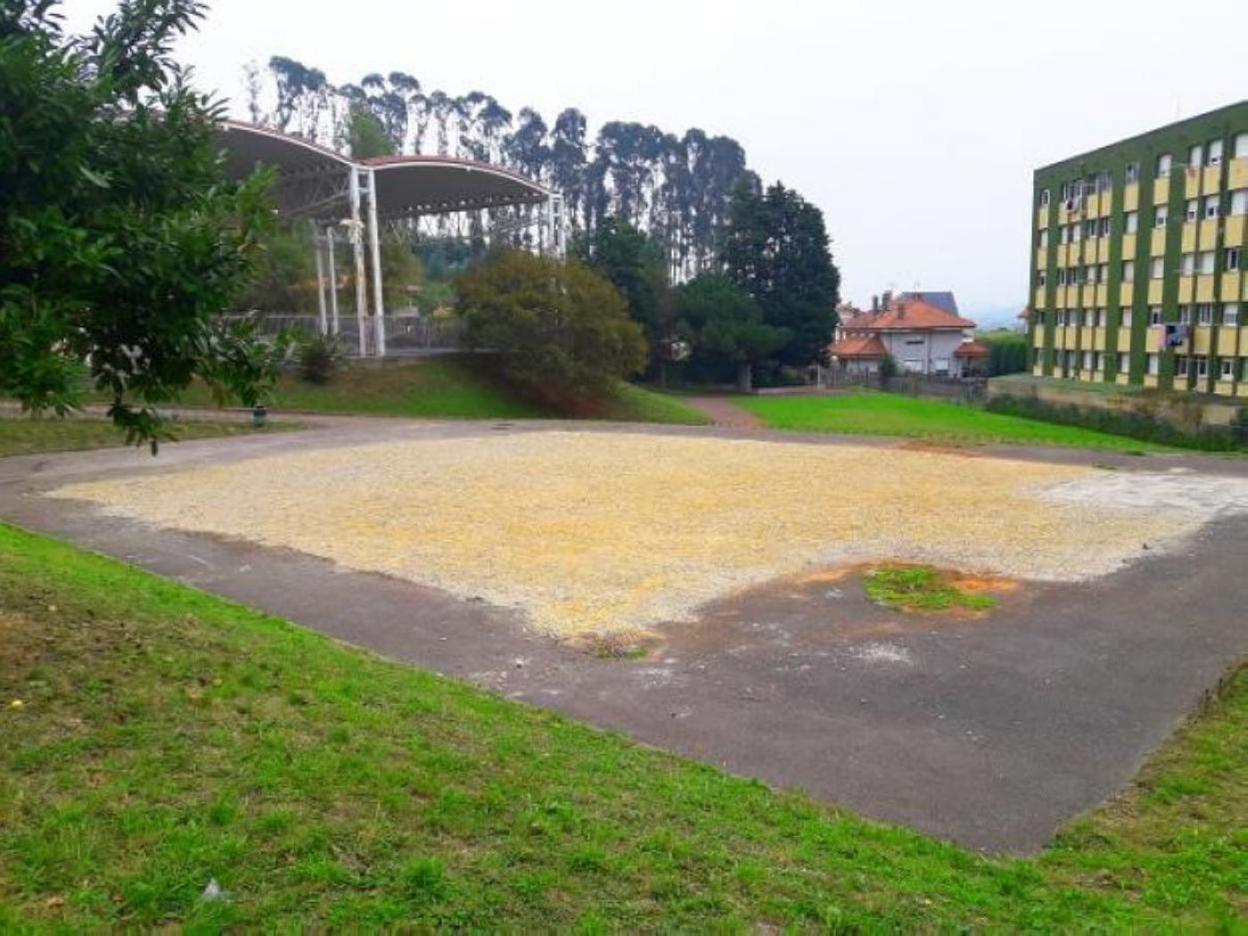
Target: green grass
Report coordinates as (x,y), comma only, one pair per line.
(447,388)
(166,738)
(887,414)
(26,436)
(920,588)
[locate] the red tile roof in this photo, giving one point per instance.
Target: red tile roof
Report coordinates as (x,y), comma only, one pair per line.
(971,349)
(866,347)
(906,315)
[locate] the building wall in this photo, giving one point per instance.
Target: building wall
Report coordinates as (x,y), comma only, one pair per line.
(1176,266)
(923,351)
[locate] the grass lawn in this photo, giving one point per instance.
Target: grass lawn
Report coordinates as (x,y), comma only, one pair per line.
(446,388)
(932,420)
(25,436)
(153,738)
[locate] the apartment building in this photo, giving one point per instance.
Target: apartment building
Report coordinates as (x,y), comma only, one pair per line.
(1138,260)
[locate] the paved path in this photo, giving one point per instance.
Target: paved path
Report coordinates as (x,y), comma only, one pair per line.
(990,733)
(724,413)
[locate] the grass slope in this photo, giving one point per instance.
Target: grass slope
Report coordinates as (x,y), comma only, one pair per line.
(447,388)
(25,436)
(166,738)
(932,420)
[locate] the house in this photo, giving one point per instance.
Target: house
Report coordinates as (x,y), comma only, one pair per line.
(922,332)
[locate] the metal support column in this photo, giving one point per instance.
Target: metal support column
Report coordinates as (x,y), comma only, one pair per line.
(357,249)
(379,312)
(318,245)
(331,236)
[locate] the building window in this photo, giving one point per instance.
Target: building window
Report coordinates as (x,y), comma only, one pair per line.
(1241,146)
(1063,234)
(1124,362)
(1041,278)
(1161,216)
(1187,264)
(1185,315)
(1102,273)
(1154,315)
(1163,165)
(1202,366)
(1211,206)
(1087,360)
(1231,260)
(1131,222)
(1205,262)
(1090,229)
(1128,271)
(1215,152)
(1044,238)
(1076,233)
(1157,267)
(1133,172)
(1227,370)
(1124,318)
(1230,313)
(1104,227)
(1204,313)
(1044,198)
(1180,366)
(1196,156)
(1193,209)
(1239,202)
(1154,364)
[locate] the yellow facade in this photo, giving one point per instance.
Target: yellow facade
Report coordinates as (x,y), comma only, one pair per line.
(1233,236)
(1152,340)
(1212,180)
(1237,173)
(1204,288)
(1161,191)
(1126,294)
(1202,340)
(1188,241)
(1154,291)
(1232,286)
(1208,234)
(1131,197)
(1157,242)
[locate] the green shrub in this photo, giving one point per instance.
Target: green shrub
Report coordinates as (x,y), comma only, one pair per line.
(320,357)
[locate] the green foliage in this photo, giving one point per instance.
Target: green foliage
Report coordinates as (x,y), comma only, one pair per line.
(776,249)
(636,266)
(888,368)
(1007,351)
(889,414)
(1140,424)
(366,137)
(284,278)
(120,241)
(33,434)
(563,331)
(320,357)
(920,588)
(725,325)
(168,737)
(401,272)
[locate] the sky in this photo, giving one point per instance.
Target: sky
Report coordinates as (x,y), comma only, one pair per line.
(915,126)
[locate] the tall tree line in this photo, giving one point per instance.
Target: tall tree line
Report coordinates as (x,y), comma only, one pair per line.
(675,188)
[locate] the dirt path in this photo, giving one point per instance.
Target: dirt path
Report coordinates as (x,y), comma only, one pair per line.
(723,412)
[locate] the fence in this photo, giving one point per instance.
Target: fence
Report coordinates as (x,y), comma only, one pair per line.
(406,332)
(956,389)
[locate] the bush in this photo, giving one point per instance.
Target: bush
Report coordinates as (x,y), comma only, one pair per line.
(320,357)
(1136,425)
(563,332)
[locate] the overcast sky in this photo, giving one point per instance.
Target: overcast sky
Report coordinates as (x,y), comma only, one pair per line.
(914,125)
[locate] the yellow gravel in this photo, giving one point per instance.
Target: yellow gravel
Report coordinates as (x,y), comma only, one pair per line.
(595,533)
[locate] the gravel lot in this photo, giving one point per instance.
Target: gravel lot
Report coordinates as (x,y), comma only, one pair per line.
(599,533)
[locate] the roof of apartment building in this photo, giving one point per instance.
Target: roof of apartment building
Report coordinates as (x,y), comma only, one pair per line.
(907,314)
(866,347)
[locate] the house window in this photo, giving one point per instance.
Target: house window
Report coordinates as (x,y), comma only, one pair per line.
(1241,146)
(1163,165)
(1133,172)
(1204,313)
(1124,320)
(1161,216)
(1187,264)
(1131,222)
(1211,206)
(1215,152)
(1154,364)
(1154,315)
(1157,267)
(1044,198)
(1231,260)
(1193,208)
(1230,313)
(1239,202)
(1196,156)
(1205,262)
(1227,369)
(1128,271)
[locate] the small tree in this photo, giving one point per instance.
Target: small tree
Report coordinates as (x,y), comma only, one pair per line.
(120,239)
(726,325)
(562,331)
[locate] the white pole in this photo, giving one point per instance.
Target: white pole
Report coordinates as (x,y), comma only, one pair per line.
(320,278)
(333,282)
(379,312)
(357,248)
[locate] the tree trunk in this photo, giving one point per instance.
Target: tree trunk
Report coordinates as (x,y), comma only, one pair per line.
(745,378)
